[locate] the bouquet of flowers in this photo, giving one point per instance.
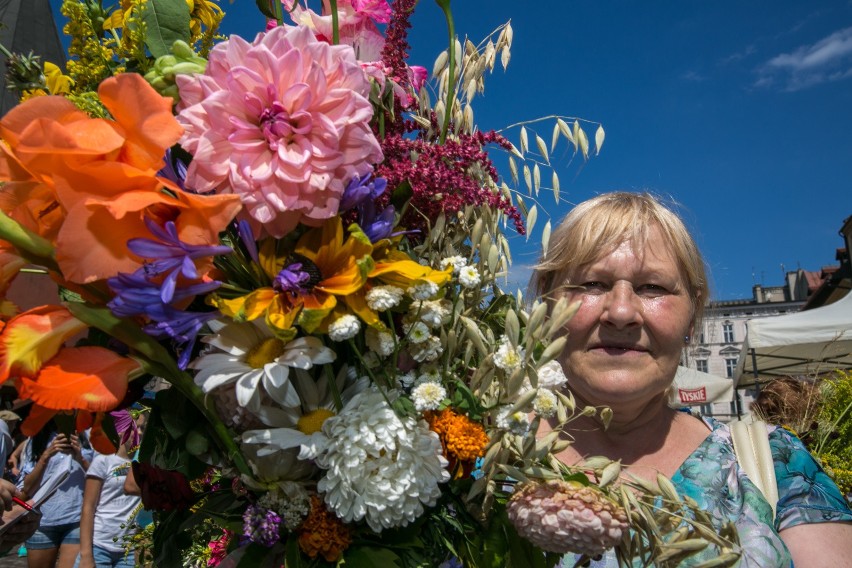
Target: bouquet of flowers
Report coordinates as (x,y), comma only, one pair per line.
(306,254)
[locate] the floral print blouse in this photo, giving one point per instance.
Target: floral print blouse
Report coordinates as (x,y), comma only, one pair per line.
(712,476)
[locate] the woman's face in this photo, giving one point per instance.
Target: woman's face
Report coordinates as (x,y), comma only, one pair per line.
(625,341)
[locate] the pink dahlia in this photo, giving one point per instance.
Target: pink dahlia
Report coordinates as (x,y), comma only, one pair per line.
(283,122)
(566,516)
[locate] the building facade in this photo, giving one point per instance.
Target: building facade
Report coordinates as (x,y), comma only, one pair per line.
(717,343)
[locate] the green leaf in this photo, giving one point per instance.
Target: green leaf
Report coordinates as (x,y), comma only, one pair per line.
(197,442)
(265,9)
(166,22)
(371,557)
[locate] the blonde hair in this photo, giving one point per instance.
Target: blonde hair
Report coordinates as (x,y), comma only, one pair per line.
(599,225)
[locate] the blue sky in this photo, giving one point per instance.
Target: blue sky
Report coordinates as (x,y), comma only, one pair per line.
(739,111)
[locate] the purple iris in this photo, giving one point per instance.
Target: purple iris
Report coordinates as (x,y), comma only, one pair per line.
(359,189)
(173,169)
(144,294)
(172,255)
(247,236)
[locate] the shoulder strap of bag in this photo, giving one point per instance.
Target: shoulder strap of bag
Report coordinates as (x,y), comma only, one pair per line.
(751,446)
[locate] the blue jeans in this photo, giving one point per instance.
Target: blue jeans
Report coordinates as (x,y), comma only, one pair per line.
(54,537)
(107,558)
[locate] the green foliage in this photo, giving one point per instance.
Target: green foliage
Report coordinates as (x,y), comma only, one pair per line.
(835,416)
(166,21)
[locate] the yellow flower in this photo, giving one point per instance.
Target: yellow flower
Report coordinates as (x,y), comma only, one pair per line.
(324,266)
(57,83)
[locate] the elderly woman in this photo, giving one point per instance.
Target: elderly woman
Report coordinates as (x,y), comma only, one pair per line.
(642,284)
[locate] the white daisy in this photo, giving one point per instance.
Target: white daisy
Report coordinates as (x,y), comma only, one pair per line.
(343,328)
(457,262)
(423,290)
(417,332)
(428,350)
(431,312)
(517,423)
(469,277)
(428,395)
(545,403)
(551,376)
(255,361)
(379,341)
(382,298)
(508,357)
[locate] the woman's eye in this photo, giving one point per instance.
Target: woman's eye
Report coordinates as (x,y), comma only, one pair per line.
(651,289)
(593,286)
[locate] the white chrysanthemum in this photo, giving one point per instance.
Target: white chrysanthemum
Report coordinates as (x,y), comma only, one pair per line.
(379,467)
(379,341)
(457,262)
(428,350)
(508,357)
(551,376)
(344,328)
(417,332)
(469,277)
(423,290)
(517,423)
(251,357)
(432,312)
(545,403)
(428,395)
(382,298)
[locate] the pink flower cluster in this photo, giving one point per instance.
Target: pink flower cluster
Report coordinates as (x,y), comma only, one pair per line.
(283,122)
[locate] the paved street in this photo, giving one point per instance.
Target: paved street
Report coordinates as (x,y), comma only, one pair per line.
(13,561)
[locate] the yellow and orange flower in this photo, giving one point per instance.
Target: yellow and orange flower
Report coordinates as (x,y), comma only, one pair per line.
(337,267)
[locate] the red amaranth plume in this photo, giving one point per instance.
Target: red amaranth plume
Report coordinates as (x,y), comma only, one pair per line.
(440,175)
(395,54)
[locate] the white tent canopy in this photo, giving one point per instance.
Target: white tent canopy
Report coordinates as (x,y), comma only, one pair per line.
(797,344)
(693,388)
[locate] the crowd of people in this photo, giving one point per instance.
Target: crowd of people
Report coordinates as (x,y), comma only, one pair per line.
(87,502)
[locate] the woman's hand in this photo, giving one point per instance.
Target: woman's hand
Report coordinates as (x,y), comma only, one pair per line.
(86,561)
(7,491)
(59,444)
(76,448)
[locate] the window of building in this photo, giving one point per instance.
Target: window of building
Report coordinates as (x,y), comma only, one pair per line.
(728,331)
(707,410)
(730,367)
(701,365)
(701,337)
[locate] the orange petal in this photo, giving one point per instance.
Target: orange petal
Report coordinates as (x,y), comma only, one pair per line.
(85,378)
(144,114)
(34,337)
(36,419)
(100,441)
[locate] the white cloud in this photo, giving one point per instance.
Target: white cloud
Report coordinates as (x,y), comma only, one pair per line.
(829,59)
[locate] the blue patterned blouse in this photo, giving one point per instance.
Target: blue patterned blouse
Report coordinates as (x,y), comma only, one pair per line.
(712,476)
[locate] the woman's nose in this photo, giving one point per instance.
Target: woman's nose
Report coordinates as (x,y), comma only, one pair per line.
(622,307)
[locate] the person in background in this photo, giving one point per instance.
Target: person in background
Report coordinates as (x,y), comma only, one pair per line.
(6,444)
(46,455)
(641,286)
(23,528)
(108,512)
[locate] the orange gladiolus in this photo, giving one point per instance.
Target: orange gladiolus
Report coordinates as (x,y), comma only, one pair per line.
(32,338)
(88,183)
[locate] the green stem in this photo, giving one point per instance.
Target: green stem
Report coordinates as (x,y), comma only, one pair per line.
(154,357)
(451,84)
(335,25)
(36,248)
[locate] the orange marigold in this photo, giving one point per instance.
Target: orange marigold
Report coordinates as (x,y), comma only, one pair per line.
(461,437)
(323,533)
